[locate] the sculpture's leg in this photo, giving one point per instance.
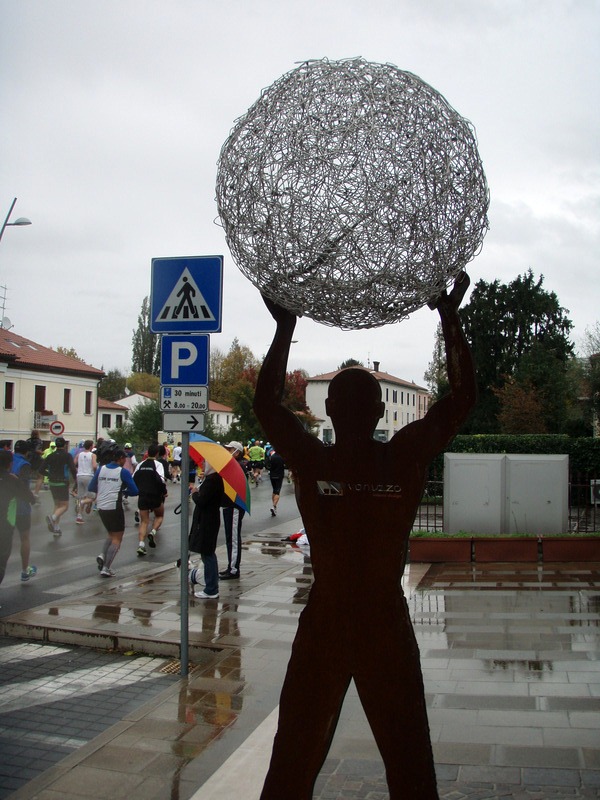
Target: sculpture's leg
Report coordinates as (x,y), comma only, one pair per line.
(390,686)
(311,699)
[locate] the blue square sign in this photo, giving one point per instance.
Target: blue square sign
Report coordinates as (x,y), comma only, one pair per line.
(186,294)
(184,360)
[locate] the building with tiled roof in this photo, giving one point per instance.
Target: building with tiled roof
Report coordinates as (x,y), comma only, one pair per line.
(404,401)
(222,417)
(110,416)
(134,399)
(42,389)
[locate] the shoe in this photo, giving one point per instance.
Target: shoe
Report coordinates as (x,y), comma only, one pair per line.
(229,576)
(151,536)
(204,596)
(141,551)
(79,520)
(100,561)
(28,573)
(50,523)
(56,533)
(136,516)
(273,512)
(107,573)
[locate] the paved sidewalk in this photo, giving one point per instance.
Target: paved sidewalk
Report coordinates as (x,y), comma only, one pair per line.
(56,698)
(509,654)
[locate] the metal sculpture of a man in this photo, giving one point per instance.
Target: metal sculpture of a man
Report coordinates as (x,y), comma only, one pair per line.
(358,499)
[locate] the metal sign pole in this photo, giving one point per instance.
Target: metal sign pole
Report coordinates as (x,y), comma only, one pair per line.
(183,572)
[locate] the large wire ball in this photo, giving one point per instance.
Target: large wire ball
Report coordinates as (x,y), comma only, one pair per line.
(351,192)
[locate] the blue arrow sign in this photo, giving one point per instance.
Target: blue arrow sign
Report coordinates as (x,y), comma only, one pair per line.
(186,295)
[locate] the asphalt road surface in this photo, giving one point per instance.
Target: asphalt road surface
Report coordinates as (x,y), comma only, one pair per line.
(67,564)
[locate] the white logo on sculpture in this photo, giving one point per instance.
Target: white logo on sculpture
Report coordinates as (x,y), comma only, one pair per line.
(352,193)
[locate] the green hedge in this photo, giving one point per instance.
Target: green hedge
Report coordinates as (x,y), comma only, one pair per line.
(584,452)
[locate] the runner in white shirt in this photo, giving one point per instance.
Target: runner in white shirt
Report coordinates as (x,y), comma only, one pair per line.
(85,463)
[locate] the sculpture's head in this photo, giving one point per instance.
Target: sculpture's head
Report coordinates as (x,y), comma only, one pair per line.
(354,403)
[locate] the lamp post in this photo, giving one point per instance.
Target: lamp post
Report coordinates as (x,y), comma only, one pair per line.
(20,221)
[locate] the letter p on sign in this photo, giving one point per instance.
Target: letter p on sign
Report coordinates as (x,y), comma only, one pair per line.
(183,354)
(184,360)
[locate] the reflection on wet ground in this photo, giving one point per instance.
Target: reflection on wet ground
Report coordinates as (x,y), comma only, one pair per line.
(509,655)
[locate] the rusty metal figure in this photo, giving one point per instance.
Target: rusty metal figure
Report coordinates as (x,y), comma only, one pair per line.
(358,499)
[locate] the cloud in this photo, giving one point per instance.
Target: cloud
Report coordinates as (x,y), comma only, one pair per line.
(114,115)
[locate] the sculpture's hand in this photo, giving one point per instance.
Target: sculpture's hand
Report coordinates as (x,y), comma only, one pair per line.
(279,313)
(453,300)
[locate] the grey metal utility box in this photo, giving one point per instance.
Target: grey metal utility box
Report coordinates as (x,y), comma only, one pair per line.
(512,493)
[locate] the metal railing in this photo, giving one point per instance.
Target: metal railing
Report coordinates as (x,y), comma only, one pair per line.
(584,504)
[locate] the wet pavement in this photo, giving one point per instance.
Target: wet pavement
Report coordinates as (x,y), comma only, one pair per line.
(510,661)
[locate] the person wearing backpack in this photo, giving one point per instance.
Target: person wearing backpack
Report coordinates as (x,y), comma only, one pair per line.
(149,477)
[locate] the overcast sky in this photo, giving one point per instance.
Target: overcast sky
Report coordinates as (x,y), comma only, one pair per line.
(114,113)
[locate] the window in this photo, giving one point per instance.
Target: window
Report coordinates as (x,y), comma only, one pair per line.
(119,421)
(40,399)
(402,398)
(387,395)
(414,395)
(395,416)
(67,401)
(106,421)
(9,395)
(88,403)
(395,396)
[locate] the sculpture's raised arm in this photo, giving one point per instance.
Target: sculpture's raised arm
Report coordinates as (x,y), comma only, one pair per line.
(281,425)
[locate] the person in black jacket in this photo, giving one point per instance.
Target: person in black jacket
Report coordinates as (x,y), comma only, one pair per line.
(60,468)
(276,474)
(205,531)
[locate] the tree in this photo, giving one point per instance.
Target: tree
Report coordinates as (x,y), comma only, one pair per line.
(113,385)
(69,351)
(518,331)
(144,423)
(521,410)
(591,372)
(436,374)
(350,362)
(227,371)
(294,394)
(242,401)
(143,382)
(145,356)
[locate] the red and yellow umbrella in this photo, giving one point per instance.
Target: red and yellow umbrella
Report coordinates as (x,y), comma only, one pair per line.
(234,477)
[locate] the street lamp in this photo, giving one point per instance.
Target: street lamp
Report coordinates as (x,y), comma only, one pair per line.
(20,221)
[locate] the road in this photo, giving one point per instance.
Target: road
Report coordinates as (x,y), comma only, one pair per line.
(67,565)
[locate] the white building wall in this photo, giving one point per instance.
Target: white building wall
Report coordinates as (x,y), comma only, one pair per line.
(18,421)
(116,419)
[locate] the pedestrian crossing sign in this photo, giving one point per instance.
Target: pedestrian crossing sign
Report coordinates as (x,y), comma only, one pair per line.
(186,294)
